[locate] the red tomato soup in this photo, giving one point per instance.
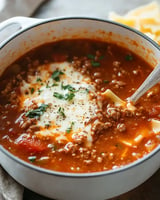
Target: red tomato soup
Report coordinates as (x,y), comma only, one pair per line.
(63,107)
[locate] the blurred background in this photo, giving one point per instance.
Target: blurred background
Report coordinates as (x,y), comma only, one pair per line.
(56,8)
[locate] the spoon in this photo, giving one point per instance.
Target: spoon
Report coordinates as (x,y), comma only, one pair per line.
(151,80)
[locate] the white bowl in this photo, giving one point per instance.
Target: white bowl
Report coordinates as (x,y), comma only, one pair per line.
(31,33)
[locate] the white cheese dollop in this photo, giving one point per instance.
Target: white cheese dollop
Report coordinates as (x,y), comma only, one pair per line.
(61,115)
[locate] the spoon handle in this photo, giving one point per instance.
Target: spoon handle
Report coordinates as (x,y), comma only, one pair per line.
(151,80)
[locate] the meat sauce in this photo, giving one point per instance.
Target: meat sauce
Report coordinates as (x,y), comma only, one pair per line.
(42,130)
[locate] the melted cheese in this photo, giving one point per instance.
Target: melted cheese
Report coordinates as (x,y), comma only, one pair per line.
(77,111)
(144,18)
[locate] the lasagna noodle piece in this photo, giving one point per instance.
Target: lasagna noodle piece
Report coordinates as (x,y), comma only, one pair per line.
(143,133)
(155,126)
(117,101)
(144,18)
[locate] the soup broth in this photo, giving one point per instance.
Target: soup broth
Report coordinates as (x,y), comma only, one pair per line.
(63,107)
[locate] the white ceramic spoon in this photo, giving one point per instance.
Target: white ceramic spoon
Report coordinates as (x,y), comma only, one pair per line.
(151,80)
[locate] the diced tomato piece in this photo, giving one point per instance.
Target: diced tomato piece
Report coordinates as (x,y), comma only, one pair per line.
(31,145)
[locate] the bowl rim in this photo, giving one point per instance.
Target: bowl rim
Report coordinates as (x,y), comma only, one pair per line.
(87,174)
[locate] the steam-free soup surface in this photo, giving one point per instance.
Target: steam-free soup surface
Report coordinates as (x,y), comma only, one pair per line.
(63,107)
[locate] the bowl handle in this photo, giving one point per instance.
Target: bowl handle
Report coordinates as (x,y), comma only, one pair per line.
(13,25)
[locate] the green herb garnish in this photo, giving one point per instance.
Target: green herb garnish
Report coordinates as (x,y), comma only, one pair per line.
(39,80)
(32,90)
(56,75)
(61,112)
(68,87)
(58,95)
(90,56)
(87,90)
(105,81)
(39,91)
(69,129)
(101,57)
(49,86)
(95,64)
(54,84)
(47,125)
(36,113)
(68,96)
(32,158)
(129,57)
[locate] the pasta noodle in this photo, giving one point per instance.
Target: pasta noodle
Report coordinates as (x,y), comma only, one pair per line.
(155,126)
(117,101)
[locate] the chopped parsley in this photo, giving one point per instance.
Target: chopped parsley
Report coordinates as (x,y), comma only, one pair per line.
(56,75)
(95,64)
(69,96)
(39,80)
(84,90)
(54,84)
(129,57)
(87,90)
(32,158)
(101,57)
(36,113)
(39,91)
(68,87)
(69,129)
(47,125)
(105,81)
(32,90)
(61,112)
(90,56)
(49,86)
(58,95)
